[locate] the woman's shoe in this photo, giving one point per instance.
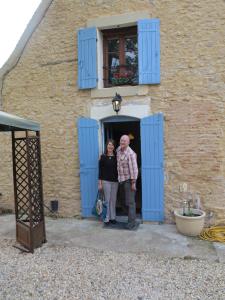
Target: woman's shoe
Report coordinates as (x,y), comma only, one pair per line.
(106,223)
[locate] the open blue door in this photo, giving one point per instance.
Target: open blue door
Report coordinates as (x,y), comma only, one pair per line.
(152,168)
(89,155)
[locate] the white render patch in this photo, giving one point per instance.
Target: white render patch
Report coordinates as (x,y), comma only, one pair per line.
(101,111)
(100,84)
(138,90)
(122,20)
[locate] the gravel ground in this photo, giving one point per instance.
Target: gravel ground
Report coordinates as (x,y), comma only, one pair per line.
(81,273)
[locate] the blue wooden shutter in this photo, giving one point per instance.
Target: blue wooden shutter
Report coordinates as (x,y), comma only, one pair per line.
(88,154)
(149,51)
(87,58)
(152,168)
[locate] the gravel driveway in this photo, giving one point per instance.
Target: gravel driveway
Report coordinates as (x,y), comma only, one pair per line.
(55,272)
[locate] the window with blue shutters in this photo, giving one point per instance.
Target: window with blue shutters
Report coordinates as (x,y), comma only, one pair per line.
(131,55)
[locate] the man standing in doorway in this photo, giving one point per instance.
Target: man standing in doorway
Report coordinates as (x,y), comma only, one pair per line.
(127,177)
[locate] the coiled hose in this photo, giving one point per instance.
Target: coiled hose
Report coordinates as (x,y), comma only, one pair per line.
(213,234)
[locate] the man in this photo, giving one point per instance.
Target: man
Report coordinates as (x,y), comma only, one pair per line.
(127,177)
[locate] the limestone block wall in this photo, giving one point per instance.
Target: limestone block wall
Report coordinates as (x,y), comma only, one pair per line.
(42,86)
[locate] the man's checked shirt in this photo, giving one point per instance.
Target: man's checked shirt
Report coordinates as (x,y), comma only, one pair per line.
(126,164)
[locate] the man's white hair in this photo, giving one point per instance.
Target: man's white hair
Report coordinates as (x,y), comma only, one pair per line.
(125,136)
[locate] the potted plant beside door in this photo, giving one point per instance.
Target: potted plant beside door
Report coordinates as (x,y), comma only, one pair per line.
(189,220)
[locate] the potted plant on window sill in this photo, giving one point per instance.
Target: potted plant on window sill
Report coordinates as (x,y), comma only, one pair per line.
(189,221)
(120,79)
(124,78)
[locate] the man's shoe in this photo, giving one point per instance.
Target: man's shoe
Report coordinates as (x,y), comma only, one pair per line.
(106,223)
(113,221)
(132,225)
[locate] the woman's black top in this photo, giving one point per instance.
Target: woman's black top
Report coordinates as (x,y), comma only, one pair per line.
(108,168)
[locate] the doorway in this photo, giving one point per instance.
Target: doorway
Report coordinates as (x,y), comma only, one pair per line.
(147,131)
(114,128)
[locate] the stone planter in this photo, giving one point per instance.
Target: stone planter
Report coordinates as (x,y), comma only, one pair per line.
(191,226)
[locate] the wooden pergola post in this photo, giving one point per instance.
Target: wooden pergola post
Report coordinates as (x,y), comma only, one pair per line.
(27,177)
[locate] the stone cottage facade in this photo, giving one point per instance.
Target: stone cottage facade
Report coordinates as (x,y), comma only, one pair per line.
(42,83)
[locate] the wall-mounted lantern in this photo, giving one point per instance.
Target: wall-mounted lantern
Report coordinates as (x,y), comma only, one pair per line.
(116,103)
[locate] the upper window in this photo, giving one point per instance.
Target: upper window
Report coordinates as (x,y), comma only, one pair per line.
(131,55)
(120,56)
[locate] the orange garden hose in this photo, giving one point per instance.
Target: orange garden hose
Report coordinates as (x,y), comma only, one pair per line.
(213,234)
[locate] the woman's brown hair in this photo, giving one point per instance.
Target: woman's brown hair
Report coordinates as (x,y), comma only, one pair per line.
(106,145)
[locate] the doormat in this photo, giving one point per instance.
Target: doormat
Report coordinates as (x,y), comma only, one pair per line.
(121,225)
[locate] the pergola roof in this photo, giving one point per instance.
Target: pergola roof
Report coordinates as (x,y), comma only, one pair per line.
(10,122)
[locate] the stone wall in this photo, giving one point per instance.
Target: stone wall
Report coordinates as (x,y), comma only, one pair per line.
(42,86)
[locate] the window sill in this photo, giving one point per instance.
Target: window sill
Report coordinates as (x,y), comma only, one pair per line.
(123,91)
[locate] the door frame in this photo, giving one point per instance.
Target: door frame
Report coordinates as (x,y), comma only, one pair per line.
(112,119)
(101,111)
(119,119)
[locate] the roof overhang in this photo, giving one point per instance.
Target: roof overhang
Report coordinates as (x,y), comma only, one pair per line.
(10,122)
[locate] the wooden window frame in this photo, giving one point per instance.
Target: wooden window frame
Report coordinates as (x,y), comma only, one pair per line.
(121,34)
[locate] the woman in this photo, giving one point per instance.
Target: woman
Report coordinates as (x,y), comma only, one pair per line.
(108,180)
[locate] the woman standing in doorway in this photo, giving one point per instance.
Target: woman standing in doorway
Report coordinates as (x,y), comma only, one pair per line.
(108,180)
